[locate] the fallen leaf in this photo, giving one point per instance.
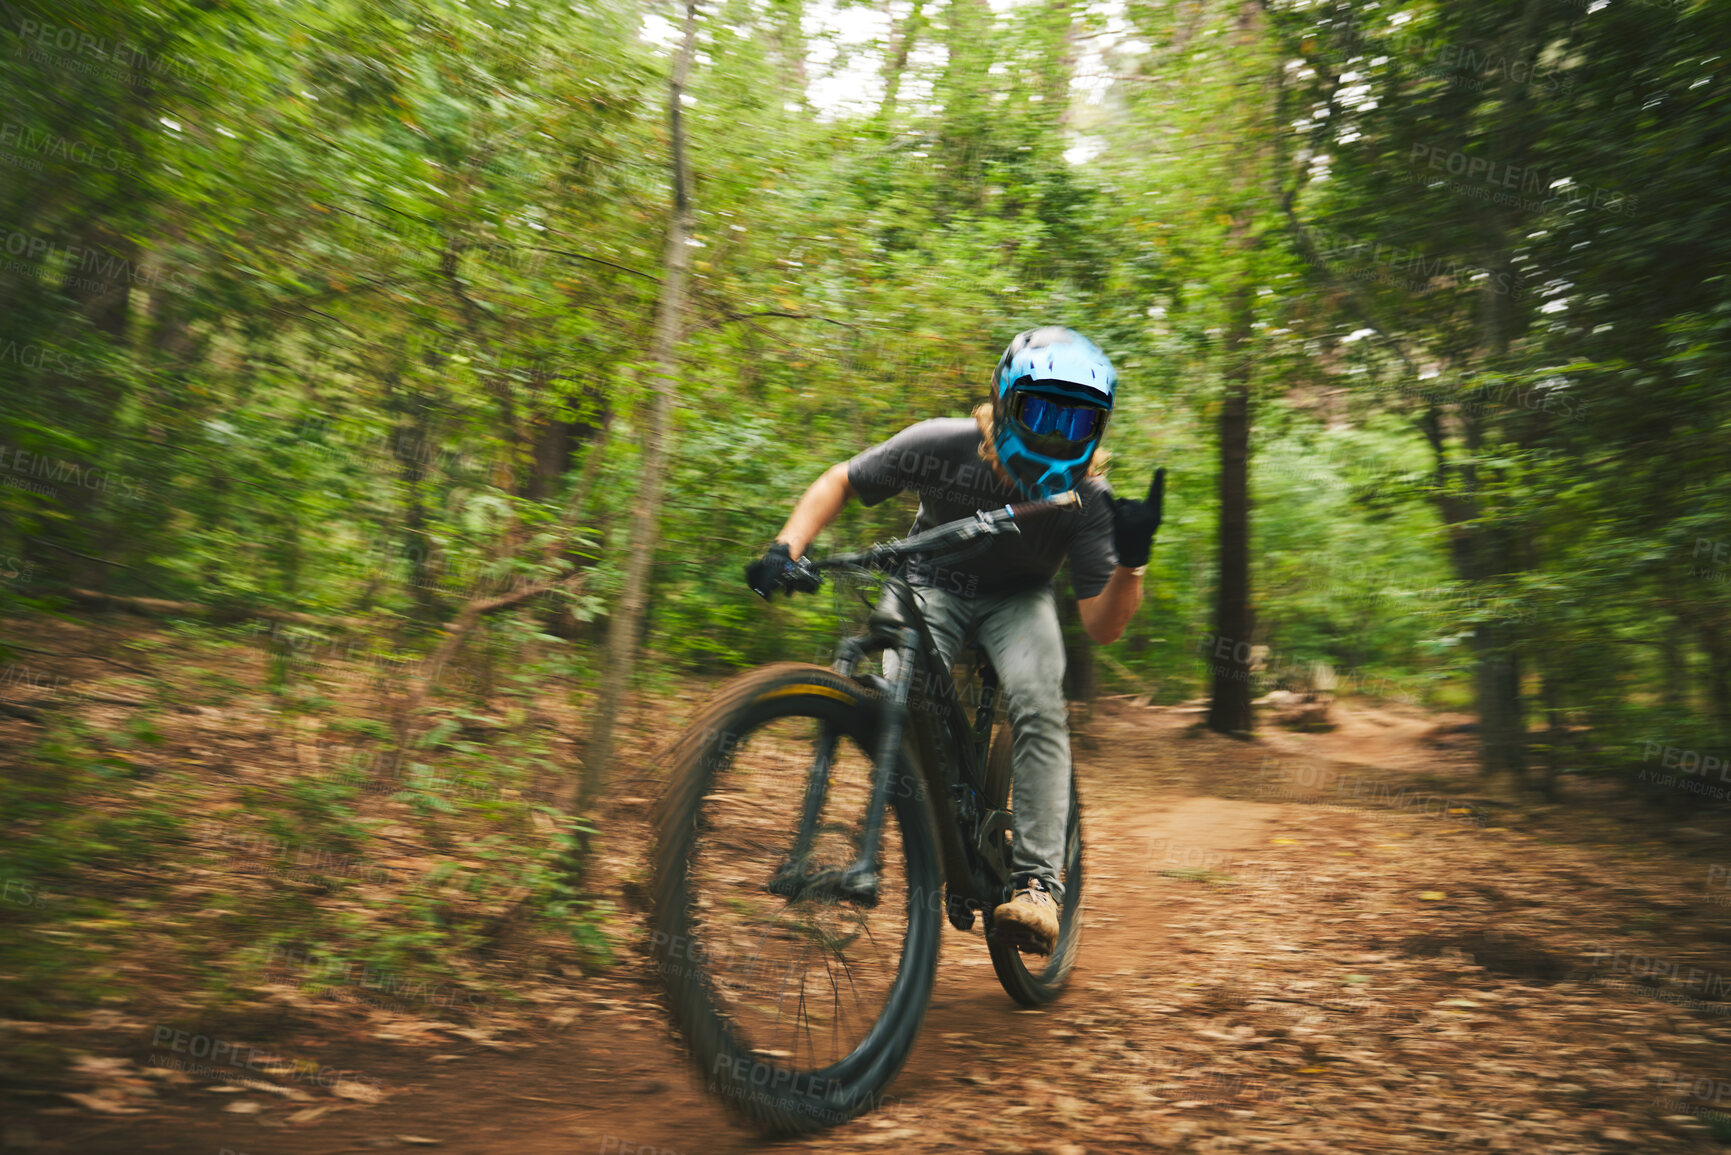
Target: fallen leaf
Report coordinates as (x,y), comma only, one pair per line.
(98,1103)
(358,1091)
(102,1065)
(292,1093)
(1432,895)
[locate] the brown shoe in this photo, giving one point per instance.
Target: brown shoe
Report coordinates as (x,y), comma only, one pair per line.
(1029,919)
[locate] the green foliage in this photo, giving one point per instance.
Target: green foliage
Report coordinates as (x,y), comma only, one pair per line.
(351,317)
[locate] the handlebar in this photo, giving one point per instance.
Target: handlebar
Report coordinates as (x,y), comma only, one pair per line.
(951,536)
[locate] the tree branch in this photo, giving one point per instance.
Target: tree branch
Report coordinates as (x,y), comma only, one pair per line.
(586,257)
(729,318)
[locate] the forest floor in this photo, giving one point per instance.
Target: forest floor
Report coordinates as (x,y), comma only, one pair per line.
(1331,942)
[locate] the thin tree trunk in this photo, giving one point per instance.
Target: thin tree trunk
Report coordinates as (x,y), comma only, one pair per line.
(1490,546)
(896,58)
(640,553)
(1229,708)
(1718,677)
(1557,734)
(410,444)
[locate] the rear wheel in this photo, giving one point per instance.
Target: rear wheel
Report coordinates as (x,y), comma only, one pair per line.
(1038,985)
(798,1011)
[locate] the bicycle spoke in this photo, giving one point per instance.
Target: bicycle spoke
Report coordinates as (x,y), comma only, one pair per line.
(815,972)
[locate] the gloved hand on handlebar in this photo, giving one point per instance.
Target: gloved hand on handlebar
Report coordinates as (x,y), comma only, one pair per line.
(776,570)
(1134,523)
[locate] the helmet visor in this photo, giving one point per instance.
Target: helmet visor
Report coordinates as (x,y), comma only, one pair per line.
(1055,426)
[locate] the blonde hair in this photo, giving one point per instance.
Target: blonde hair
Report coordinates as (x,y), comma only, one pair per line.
(989,453)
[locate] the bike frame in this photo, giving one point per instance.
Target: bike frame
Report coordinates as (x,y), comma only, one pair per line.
(971,832)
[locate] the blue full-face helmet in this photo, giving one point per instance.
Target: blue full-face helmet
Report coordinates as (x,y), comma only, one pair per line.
(1051,398)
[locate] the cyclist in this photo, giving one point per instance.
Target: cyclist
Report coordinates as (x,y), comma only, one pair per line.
(1035,438)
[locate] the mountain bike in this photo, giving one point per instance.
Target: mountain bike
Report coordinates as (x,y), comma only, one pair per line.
(796,929)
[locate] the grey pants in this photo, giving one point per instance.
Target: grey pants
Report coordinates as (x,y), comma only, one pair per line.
(1020,634)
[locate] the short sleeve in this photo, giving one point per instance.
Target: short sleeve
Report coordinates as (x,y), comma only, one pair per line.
(1093,556)
(884,470)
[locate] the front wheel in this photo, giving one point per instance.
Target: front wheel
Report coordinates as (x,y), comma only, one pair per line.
(800,1010)
(1034,988)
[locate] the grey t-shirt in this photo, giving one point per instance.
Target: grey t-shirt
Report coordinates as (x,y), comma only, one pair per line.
(940,460)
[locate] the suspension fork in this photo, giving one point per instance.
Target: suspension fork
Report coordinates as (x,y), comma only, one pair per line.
(847,660)
(859,881)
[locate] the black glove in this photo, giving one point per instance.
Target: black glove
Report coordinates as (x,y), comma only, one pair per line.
(777,570)
(1134,523)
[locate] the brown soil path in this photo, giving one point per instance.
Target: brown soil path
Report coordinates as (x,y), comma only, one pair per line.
(1274,960)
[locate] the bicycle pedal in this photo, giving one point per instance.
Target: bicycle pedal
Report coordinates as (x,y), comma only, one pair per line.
(826,885)
(1021,939)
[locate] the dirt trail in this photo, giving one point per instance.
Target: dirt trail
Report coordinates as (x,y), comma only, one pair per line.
(1272,962)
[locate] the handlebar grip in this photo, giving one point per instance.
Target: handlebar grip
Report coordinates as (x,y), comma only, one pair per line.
(1025,509)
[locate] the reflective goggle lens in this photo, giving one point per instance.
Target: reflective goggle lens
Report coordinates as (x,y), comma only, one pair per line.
(1047,418)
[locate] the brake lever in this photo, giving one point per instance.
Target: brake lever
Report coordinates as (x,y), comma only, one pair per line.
(806,579)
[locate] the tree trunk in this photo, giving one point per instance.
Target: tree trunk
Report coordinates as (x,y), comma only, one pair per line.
(554,443)
(1490,546)
(640,553)
(1718,677)
(411,445)
(1497,682)
(1229,709)
(1557,734)
(896,57)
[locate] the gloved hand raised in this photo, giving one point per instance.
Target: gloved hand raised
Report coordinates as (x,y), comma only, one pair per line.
(1134,523)
(776,570)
